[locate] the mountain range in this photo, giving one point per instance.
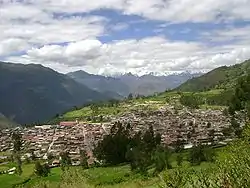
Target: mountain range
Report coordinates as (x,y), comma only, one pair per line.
(33,93)
(123,85)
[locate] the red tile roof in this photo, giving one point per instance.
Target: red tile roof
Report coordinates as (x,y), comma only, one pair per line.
(68,123)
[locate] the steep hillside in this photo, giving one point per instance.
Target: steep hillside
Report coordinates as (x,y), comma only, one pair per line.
(33,93)
(220,78)
(128,83)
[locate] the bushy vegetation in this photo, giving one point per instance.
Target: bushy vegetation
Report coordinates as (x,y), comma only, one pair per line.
(17,148)
(241,98)
(42,170)
(140,150)
(215,98)
(231,169)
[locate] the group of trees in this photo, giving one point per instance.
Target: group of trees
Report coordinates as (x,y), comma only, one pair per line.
(140,150)
(241,98)
(42,170)
(194,100)
(201,153)
(240,102)
(17,148)
(144,151)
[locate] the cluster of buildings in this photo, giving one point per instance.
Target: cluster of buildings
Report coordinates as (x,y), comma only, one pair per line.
(189,126)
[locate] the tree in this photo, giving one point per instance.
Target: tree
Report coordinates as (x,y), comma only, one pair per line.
(17,141)
(201,153)
(138,160)
(41,170)
(179,159)
(95,109)
(84,159)
(211,135)
(65,161)
(236,127)
(196,155)
(113,147)
(178,145)
(149,139)
(130,96)
(50,157)
(17,147)
(142,152)
(241,98)
(33,156)
(161,159)
(191,101)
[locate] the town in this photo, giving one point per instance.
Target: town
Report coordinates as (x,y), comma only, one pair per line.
(190,126)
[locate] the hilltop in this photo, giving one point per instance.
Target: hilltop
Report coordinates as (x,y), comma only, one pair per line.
(220,78)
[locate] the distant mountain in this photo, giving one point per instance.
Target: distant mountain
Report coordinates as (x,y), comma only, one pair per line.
(122,85)
(33,93)
(108,85)
(220,78)
(150,84)
(6,123)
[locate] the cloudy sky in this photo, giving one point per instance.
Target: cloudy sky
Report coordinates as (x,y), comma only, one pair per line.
(138,36)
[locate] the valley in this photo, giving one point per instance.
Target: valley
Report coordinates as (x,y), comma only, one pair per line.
(140,141)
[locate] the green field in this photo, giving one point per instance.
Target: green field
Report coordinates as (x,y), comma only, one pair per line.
(6,180)
(106,177)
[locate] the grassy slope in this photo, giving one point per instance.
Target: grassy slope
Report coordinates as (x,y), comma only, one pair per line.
(102,177)
(123,106)
(8,180)
(220,78)
(148,103)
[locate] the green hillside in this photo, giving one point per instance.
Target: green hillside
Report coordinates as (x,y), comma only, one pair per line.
(209,99)
(220,78)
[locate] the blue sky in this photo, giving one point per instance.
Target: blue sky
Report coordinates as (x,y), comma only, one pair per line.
(136,36)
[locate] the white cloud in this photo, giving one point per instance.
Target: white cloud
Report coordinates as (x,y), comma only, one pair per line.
(17,11)
(153,54)
(73,54)
(11,45)
(38,26)
(32,27)
(239,34)
(137,56)
(68,29)
(166,10)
